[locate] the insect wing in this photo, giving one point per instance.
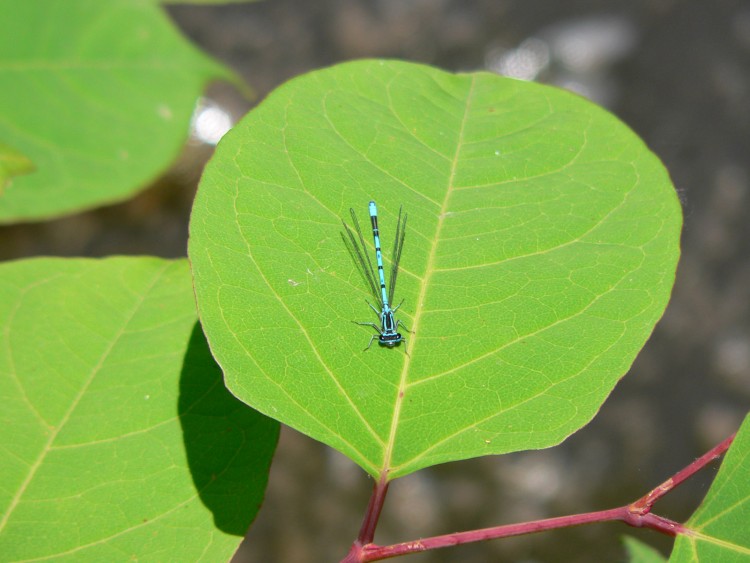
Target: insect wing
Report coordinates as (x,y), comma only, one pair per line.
(398,246)
(358,251)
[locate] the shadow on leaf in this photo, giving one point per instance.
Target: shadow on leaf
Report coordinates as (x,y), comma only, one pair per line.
(229,445)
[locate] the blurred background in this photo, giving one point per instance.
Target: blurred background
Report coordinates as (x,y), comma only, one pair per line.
(678,73)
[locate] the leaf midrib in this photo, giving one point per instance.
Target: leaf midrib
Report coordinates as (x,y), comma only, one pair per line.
(429,270)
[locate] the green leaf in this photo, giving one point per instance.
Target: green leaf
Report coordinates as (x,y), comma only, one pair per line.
(99,95)
(118,440)
(639,552)
(541,247)
(12,163)
(719,528)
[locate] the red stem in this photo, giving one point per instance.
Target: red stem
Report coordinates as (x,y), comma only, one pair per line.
(644,504)
(624,513)
(637,514)
(370,522)
(374,508)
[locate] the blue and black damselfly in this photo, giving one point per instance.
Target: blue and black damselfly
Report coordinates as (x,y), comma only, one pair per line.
(388,334)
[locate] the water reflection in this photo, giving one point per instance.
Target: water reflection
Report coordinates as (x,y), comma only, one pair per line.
(575,54)
(210,122)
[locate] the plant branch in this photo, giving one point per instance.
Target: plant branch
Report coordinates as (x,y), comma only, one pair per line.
(636,514)
(624,514)
(644,504)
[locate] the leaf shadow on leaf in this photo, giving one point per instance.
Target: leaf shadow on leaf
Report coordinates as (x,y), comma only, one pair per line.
(229,446)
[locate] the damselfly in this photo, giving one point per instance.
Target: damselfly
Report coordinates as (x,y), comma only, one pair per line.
(388,334)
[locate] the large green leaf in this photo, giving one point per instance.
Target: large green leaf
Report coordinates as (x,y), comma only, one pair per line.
(118,440)
(97,94)
(541,246)
(719,528)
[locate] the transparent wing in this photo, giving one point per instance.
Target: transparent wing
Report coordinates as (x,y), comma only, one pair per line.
(398,246)
(358,251)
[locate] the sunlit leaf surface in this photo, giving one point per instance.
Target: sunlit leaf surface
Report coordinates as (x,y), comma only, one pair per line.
(118,440)
(540,251)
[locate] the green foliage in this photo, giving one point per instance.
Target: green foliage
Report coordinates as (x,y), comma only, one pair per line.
(639,552)
(719,528)
(540,251)
(98,95)
(119,440)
